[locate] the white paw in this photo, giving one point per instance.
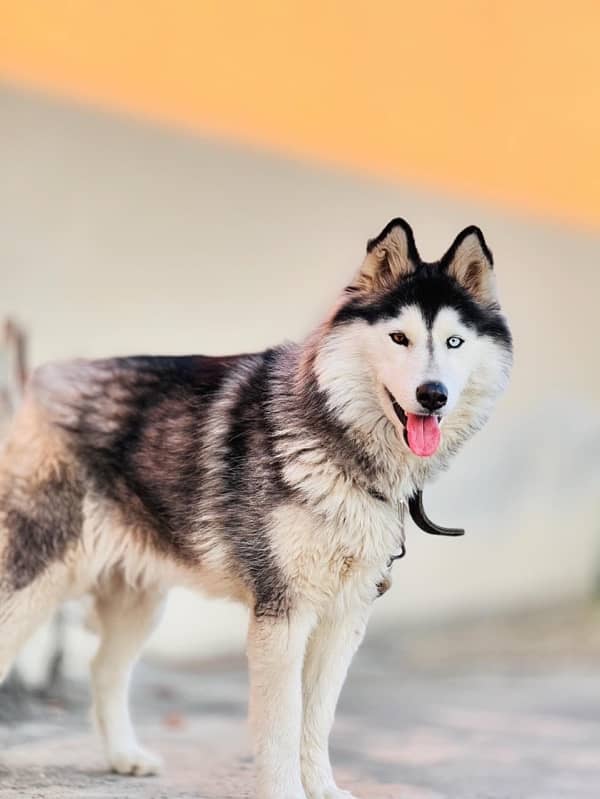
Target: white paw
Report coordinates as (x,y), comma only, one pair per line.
(136,762)
(279,792)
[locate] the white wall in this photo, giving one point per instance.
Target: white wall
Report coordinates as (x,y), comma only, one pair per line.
(117,237)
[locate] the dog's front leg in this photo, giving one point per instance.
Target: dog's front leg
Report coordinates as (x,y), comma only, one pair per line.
(276,649)
(329,654)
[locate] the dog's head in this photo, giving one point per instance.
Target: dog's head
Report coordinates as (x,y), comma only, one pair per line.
(427,340)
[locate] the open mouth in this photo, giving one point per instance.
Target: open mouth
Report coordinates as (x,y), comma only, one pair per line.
(421,431)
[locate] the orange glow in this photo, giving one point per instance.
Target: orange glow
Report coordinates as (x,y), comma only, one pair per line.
(494,100)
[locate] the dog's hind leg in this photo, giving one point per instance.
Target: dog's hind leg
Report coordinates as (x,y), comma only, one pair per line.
(330,651)
(126,618)
(23,610)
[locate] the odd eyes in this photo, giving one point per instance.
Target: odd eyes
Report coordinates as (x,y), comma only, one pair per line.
(400,338)
(453,343)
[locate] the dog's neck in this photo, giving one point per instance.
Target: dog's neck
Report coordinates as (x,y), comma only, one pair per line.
(337,399)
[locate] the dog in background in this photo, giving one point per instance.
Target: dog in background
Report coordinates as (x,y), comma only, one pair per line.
(277,479)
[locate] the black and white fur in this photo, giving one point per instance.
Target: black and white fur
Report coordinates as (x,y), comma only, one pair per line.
(277,479)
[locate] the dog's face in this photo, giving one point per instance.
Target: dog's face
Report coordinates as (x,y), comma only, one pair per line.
(423,367)
(430,336)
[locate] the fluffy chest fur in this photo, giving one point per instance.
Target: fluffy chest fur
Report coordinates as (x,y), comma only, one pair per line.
(339,558)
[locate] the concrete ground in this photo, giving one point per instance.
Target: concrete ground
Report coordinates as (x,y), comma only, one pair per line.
(503,709)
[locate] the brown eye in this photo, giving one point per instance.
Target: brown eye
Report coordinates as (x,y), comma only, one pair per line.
(400,338)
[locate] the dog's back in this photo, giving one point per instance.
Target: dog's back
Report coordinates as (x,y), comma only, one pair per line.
(100,476)
(122,431)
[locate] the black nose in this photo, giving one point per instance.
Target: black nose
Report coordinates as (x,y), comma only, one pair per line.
(432,396)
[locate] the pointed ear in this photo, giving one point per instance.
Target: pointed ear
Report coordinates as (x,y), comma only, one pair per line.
(391,256)
(470,262)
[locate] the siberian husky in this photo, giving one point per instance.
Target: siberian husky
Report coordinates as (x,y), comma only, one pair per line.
(277,479)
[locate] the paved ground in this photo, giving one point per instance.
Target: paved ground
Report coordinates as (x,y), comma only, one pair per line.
(500,710)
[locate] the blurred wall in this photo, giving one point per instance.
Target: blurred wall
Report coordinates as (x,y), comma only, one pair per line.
(119,237)
(499,100)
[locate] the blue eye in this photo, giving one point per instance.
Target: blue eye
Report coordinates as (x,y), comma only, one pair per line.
(454,342)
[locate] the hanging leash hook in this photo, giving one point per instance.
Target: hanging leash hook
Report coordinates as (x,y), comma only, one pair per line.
(420,518)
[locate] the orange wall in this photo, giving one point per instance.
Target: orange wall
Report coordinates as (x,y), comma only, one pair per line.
(492,99)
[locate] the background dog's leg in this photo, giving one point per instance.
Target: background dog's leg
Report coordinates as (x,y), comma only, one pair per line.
(330,651)
(276,648)
(126,619)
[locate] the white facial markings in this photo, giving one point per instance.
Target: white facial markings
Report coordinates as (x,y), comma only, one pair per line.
(428,356)
(402,368)
(357,362)
(454,364)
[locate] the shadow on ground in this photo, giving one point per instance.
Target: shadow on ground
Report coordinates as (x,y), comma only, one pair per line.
(503,709)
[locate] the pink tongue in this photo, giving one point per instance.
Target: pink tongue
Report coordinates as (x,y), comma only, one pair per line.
(423,434)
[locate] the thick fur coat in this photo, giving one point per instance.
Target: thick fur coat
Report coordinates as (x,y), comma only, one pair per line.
(277,479)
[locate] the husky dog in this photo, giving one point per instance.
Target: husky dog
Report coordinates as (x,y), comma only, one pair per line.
(277,479)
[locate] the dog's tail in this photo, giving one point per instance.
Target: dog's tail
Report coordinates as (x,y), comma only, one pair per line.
(13,371)
(40,666)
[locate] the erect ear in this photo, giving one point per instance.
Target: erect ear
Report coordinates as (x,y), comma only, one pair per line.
(470,262)
(390,256)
